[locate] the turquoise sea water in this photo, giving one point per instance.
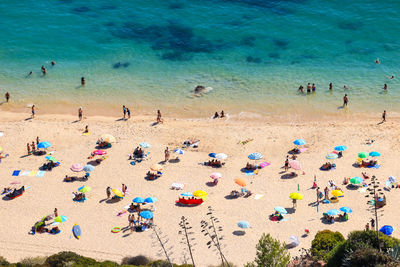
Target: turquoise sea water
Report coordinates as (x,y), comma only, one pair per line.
(253,53)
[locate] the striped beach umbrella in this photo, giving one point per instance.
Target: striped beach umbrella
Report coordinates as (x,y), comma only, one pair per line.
(255,156)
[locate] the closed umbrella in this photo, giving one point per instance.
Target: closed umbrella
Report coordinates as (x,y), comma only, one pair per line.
(44,145)
(374,154)
(146,214)
(293,241)
(340,148)
(221,156)
(150,200)
(299,142)
(331,156)
(144,145)
(138,200)
(61,219)
(363,155)
(255,156)
(333,212)
(296,196)
(84,189)
(356,180)
(108,138)
(240,182)
(386,229)
(243,224)
(88,168)
(294,164)
(117,192)
(337,193)
(215,175)
(77,167)
(156,167)
(280,210)
(346,209)
(178,151)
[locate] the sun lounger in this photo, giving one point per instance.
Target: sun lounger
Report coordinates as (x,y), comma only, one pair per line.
(177,186)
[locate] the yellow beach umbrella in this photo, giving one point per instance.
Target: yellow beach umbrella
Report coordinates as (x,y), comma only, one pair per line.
(156,167)
(117,193)
(200,194)
(337,193)
(108,138)
(296,196)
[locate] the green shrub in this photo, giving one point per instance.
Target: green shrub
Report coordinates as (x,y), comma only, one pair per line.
(368,257)
(33,261)
(3,261)
(137,260)
(69,258)
(324,242)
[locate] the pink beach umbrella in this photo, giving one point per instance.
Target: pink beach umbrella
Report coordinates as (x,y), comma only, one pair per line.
(215,175)
(294,164)
(99,152)
(77,167)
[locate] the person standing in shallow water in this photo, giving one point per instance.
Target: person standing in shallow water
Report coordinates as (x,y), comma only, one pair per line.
(124,110)
(7,97)
(345,100)
(83,81)
(44,70)
(80,113)
(330,86)
(33,111)
(384,116)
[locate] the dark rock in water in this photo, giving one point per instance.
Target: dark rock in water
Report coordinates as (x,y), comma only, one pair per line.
(125,64)
(176,56)
(249,41)
(176,5)
(352,26)
(295,62)
(307,56)
(362,51)
(390,47)
(274,55)
(81,9)
(199,89)
(121,65)
(281,43)
(253,59)
(117,65)
(109,24)
(108,7)
(348,42)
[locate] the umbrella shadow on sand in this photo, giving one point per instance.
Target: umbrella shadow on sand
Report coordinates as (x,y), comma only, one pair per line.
(289,176)
(239,233)
(210,184)
(112,201)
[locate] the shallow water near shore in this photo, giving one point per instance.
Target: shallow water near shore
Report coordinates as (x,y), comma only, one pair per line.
(151,55)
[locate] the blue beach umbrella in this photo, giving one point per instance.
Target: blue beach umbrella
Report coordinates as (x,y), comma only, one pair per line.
(144,145)
(178,151)
(340,148)
(332,212)
(386,229)
(280,210)
(299,142)
(187,194)
(212,155)
(150,200)
(44,145)
(146,214)
(374,154)
(88,168)
(346,209)
(138,200)
(243,224)
(255,156)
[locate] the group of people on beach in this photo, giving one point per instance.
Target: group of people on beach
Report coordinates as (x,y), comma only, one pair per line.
(53,63)
(31,148)
(216,115)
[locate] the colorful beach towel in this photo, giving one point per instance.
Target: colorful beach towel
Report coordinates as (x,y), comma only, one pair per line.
(16,173)
(264,164)
(25,173)
(86,134)
(40,173)
(376,166)
(248,173)
(32,173)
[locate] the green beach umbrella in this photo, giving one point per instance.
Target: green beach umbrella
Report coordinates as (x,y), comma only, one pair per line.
(363,155)
(356,180)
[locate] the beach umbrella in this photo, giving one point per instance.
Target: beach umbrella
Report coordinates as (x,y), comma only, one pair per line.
(146,214)
(178,151)
(108,138)
(331,156)
(77,167)
(144,145)
(299,142)
(84,189)
(215,175)
(255,156)
(280,210)
(199,193)
(156,167)
(374,154)
(240,182)
(294,241)
(386,229)
(294,164)
(99,152)
(340,148)
(117,193)
(150,200)
(356,180)
(333,212)
(212,155)
(243,224)
(138,200)
(337,193)
(187,194)
(51,158)
(346,209)
(44,145)
(363,155)
(88,168)
(221,156)
(61,219)
(296,196)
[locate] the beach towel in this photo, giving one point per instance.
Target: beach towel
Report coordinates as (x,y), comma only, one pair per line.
(248,173)
(258,196)
(325,201)
(376,166)
(264,164)
(40,173)
(285,220)
(303,149)
(86,134)
(32,173)
(16,173)
(25,173)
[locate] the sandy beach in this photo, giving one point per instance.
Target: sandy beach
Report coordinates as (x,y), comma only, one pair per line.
(97,217)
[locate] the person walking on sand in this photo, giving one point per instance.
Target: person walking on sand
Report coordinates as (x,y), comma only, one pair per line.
(326,192)
(37,140)
(28,147)
(384,116)
(108,191)
(33,111)
(124,188)
(55,212)
(287,164)
(159,119)
(80,112)
(128,111)
(124,110)
(7,97)
(166,154)
(345,100)
(33,146)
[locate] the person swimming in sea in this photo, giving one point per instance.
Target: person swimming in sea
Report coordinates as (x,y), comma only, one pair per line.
(44,70)
(314,88)
(53,63)
(390,78)
(385,87)
(301,89)
(345,100)
(377,61)
(308,88)
(330,86)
